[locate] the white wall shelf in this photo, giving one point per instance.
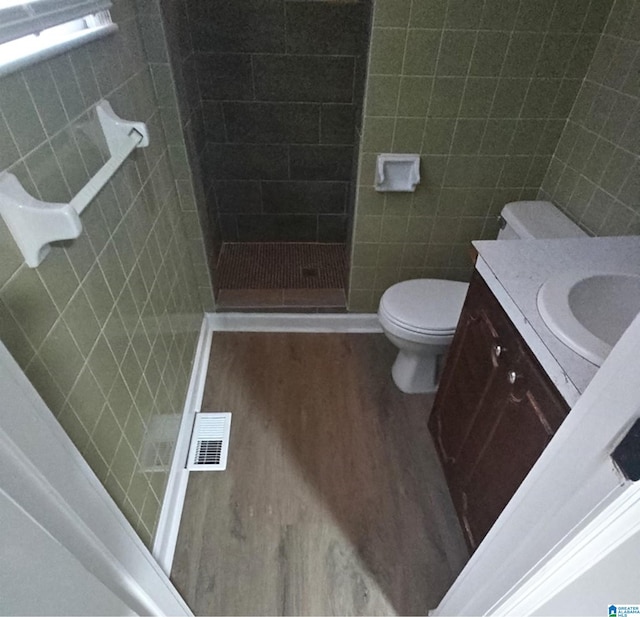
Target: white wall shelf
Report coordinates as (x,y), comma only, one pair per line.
(34,224)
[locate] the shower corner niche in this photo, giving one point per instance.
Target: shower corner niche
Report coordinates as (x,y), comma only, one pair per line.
(397,172)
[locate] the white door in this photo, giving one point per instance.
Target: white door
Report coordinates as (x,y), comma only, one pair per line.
(65,548)
(38,576)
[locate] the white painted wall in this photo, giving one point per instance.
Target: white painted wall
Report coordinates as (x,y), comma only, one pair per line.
(613,580)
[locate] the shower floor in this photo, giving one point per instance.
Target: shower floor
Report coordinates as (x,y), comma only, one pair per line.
(282,275)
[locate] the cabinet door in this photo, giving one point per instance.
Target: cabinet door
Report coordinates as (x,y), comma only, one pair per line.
(523,419)
(466,380)
(489,432)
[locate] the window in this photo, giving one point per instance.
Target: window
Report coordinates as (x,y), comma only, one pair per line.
(31,30)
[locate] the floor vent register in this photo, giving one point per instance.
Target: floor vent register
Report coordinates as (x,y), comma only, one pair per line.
(209,441)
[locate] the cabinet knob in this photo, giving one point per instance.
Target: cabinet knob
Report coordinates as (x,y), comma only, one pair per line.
(512,376)
(498,350)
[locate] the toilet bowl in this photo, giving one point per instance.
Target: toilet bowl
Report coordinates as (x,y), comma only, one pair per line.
(419,317)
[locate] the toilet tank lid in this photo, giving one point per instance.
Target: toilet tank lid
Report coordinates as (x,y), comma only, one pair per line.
(539,219)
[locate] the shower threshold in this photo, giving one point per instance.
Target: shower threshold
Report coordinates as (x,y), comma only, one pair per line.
(282,276)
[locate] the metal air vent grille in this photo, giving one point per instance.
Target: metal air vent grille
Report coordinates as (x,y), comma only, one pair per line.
(209,442)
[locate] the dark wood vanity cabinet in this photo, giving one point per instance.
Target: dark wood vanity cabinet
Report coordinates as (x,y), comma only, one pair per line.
(494,413)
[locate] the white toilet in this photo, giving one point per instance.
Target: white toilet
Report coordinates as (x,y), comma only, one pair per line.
(420,316)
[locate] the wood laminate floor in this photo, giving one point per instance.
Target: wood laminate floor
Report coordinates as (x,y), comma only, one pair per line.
(333,501)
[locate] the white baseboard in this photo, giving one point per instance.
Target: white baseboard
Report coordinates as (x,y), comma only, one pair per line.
(294,322)
(164,544)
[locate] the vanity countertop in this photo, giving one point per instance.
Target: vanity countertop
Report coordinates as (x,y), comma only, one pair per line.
(515,269)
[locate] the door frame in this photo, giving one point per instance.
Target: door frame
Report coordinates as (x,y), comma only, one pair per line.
(43,472)
(617,524)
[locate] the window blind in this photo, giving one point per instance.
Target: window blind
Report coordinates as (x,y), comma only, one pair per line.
(20,19)
(33,30)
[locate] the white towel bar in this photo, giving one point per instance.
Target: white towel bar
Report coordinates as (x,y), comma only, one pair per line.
(34,224)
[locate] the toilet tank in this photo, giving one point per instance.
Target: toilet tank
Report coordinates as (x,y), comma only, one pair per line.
(535,219)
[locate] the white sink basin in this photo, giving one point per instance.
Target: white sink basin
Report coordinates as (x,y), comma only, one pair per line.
(589,311)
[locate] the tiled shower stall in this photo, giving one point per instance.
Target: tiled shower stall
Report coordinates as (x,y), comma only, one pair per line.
(276,89)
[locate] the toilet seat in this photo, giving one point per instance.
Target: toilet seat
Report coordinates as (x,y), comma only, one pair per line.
(428,307)
(422,329)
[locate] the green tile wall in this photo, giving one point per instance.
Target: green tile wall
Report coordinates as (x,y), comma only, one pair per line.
(170,54)
(594,175)
(106,327)
(482,90)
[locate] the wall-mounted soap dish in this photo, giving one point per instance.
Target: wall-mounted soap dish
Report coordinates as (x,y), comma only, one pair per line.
(397,172)
(34,224)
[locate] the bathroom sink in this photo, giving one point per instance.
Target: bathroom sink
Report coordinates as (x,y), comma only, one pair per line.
(589,311)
